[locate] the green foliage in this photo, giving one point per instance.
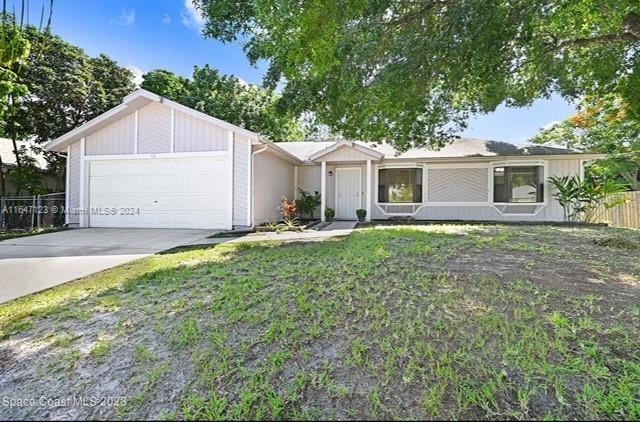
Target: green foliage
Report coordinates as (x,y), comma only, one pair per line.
(66,89)
(28,176)
(605,125)
(580,199)
(14,49)
(227,98)
(307,203)
(329,213)
(361,213)
(411,72)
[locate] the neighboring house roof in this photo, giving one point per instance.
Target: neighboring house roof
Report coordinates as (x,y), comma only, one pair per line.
(9,158)
(459,148)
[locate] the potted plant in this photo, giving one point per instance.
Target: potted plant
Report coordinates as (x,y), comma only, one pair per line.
(329,213)
(361,213)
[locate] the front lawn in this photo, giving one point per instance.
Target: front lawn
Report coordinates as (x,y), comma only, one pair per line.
(453,321)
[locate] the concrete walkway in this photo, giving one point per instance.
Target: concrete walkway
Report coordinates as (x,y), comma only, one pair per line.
(34,263)
(335,229)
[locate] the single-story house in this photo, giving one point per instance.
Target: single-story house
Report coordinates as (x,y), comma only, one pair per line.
(151,162)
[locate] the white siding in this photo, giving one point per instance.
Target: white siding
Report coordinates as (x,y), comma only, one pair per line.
(457,185)
(117,138)
(346,154)
(272,179)
(193,134)
(431,211)
(241,158)
(74,181)
(154,129)
(309,180)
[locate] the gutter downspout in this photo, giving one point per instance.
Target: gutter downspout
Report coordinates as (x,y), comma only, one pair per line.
(253,200)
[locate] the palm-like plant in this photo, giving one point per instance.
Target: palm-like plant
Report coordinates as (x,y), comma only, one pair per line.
(580,199)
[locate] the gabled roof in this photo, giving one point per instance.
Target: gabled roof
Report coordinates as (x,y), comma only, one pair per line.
(459,148)
(375,155)
(131,102)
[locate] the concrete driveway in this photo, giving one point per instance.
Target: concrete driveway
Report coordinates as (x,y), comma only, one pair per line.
(35,263)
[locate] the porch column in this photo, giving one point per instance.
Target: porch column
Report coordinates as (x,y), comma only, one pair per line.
(323,189)
(369,194)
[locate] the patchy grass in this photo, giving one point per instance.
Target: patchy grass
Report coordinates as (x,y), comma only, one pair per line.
(24,233)
(448,322)
(618,242)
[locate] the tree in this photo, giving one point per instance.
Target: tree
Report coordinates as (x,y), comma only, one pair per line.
(411,72)
(14,49)
(227,98)
(66,89)
(606,126)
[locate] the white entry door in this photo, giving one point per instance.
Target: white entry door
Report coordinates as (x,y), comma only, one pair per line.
(181,193)
(348,192)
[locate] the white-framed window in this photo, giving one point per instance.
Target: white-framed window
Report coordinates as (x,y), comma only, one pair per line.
(400,185)
(518,187)
(518,184)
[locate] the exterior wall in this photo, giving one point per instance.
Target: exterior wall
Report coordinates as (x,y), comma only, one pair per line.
(480,207)
(273,178)
(193,134)
(241,168)
(154,129)
(117,138)
(309,180)
(457,185)
(154,136)
(74,181)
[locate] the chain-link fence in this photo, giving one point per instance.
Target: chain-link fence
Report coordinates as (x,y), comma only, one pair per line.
(31,212)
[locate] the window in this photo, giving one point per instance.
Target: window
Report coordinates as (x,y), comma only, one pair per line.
(400,185)
(519,184)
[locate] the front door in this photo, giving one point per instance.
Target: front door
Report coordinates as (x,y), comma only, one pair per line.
(348,192)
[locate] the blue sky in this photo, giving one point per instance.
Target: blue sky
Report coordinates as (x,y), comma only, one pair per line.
(151,34)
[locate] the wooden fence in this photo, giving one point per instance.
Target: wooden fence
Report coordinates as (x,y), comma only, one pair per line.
(625,215)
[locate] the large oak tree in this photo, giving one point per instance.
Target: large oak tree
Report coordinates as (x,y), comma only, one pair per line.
(411,71)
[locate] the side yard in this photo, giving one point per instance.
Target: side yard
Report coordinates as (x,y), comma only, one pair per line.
(452,321)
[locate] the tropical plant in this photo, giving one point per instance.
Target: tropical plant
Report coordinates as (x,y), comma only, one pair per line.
(287,209)
(307,203)
(580,199)
(329,214)
(412,72)
(290,225)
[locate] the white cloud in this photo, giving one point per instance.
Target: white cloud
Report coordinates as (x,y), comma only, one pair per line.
(137,73)
(127,17)
(191,16)
(166,19)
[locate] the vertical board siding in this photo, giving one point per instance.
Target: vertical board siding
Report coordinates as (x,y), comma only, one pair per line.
(154,129)
(272,179)
(74,181)
(553,210)
(240,180)
(625,215)
(116,138)
(346,154)
(457,185)
(195,135)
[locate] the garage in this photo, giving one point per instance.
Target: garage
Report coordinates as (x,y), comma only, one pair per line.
(189,192)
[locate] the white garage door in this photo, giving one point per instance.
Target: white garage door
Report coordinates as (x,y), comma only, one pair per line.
(159,193)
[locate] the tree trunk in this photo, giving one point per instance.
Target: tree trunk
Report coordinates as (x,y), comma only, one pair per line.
(632,178)
(3,186)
